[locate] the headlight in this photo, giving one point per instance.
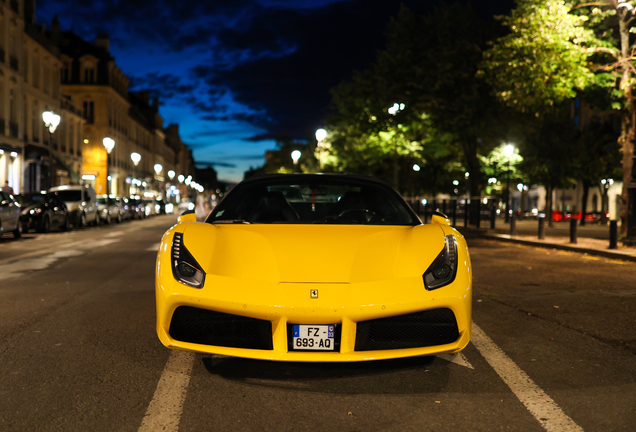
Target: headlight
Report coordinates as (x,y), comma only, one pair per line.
(185,268)
(444,268)
(35,211)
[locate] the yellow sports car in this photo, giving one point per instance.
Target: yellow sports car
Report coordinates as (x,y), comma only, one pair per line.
(313,267)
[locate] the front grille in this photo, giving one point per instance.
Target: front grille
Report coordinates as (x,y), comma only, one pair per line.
(416,330)
(202,326)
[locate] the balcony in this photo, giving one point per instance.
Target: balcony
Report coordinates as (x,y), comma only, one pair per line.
(13,129)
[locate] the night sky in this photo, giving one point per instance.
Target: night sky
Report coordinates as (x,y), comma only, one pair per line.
(234,74)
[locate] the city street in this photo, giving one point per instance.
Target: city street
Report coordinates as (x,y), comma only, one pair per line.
(553,348)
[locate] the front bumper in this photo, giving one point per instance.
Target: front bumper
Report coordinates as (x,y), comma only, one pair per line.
(271,310)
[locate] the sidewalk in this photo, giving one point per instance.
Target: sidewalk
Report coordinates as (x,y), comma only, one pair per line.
(592,239)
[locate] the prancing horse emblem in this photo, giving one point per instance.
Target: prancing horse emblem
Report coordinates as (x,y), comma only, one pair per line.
(313,293)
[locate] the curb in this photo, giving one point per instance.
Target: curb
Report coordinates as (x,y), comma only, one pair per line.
(590,251)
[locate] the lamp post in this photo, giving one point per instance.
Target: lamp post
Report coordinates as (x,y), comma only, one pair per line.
(135,158)
(51,121)
(321,134)
(393,111)
(295,155)
(109,145)
(509,150)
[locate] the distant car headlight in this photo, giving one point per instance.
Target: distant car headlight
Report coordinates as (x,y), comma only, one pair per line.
(444,269)
(35,211)
(185,268)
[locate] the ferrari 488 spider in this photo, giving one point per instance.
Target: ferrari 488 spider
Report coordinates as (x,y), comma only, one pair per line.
(313,267)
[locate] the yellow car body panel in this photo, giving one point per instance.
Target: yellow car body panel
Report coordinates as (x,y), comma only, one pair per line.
(268,272)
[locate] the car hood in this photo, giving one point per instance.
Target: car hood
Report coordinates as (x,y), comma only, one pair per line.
(313,253)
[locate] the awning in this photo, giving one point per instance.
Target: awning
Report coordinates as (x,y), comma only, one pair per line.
(74,175)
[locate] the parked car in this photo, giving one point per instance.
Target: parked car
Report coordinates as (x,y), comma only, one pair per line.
(109,209)
(150,207)
(125,206)
(9,215)
(136,207)
(81,202)
(43,212)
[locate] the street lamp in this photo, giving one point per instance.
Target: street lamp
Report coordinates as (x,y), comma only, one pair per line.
(51,121)
(509,150)
(393,111)
(158,168)
(321,134)
(295,155)
(109,145)
(171,174)
(181,178)
(135,158)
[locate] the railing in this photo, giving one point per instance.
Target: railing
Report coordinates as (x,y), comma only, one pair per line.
(469,211)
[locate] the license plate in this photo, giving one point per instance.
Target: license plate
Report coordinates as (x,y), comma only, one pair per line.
(314,337)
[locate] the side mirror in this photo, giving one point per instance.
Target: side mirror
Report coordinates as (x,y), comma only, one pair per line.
(440,218)
(187,216)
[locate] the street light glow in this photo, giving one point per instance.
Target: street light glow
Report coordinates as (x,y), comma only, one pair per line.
(295,155)
(416,167)
(135,157)
(181,178)
(509,150)
(51,120)
(321,134)
(158,168)
(171,174)
(109,144)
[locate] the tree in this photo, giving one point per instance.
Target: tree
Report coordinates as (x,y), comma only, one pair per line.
(557,48)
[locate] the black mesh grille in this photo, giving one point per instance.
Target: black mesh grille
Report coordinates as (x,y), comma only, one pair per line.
(420,329)
(207,327)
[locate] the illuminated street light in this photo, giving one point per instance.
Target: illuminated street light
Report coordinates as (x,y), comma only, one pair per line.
(158,168)
(397,107)
(181,178)
(51,122)
(321,134)
(509,150)
(416,167)
(109,145)
(295,155)
(171,174)
(135,157)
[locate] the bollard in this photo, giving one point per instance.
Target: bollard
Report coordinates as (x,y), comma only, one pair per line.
(454,212)
(466,212)
(513,227)
(541,228)
(613,234)
(573,224)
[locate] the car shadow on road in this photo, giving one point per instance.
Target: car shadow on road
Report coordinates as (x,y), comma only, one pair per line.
(413,375)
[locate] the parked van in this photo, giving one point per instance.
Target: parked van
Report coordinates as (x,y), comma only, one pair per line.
(81,202)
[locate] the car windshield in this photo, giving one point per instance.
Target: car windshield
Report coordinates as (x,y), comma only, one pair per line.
(70,195)
(313,199)
(30,199)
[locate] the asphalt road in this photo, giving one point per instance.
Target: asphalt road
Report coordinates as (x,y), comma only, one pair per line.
(554,348)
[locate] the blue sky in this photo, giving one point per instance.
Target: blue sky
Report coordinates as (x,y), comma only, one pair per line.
(236,74)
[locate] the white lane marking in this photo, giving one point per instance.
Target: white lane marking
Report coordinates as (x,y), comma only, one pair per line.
(540,405)
(457,358)
(166,406)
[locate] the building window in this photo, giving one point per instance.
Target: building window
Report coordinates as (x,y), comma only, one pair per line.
(64,73)
(88,111)
(89,75)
